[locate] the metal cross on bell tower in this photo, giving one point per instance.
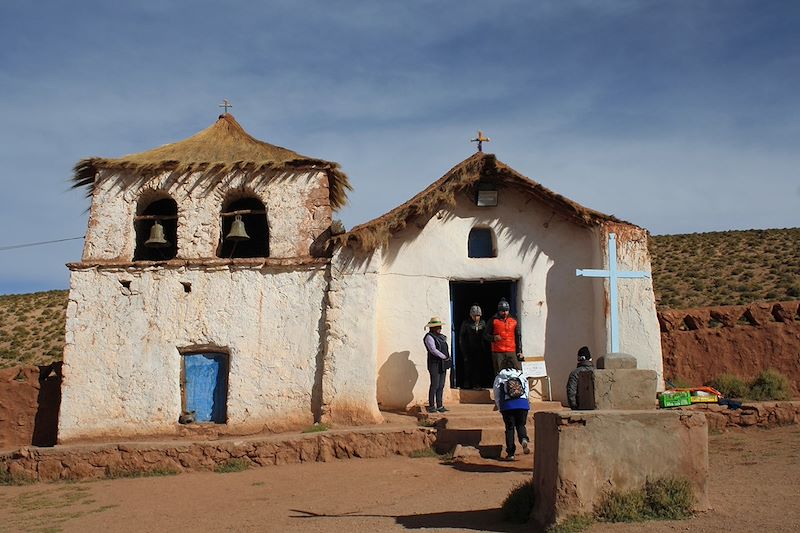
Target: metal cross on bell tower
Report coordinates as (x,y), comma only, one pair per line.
(480,140)
(225,105)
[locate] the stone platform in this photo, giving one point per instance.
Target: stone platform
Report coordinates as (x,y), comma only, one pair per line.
(580,455)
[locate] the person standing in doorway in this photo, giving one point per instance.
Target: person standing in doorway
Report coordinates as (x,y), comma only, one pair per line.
(439,361)
(503,332)
(473,347)
(511,397)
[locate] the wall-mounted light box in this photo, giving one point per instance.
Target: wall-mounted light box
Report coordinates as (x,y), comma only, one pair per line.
(486,196)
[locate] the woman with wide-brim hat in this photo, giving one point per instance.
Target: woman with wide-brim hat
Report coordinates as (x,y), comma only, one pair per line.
(439,361)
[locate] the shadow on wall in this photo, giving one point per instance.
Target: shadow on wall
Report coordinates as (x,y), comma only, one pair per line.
(396,380)
(45,429)
(570,305)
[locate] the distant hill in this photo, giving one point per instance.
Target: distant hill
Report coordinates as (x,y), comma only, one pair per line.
(695,270)
(32,328)
(726,267)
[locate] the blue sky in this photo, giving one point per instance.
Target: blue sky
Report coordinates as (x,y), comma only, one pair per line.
(679,116)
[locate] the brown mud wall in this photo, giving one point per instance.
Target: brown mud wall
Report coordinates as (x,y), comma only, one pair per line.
(700,344)
(30,397)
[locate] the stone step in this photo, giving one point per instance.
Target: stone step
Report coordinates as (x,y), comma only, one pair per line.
(479,426)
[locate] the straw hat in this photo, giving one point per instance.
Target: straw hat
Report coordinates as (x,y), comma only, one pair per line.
(435,321)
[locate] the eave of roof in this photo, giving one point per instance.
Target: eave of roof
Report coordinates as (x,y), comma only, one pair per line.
(219,149)
(440,193)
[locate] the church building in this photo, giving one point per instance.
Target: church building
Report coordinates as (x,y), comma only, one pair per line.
(215,288)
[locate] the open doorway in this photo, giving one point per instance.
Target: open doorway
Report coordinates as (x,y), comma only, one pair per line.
(471,373)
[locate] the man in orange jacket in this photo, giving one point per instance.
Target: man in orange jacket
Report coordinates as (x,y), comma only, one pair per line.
(503,332)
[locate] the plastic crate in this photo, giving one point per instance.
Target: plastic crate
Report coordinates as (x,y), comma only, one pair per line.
(674,399)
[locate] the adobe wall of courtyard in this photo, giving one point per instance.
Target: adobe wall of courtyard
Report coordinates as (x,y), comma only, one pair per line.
(743,340)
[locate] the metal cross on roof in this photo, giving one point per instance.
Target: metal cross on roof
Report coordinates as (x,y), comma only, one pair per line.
(225,105)
(613,275)
(480,140)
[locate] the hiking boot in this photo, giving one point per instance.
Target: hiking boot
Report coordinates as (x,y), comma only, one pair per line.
(525,448)
(442,409)
(432,409)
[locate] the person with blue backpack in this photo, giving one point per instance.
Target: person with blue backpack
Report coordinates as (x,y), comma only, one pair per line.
(511,397)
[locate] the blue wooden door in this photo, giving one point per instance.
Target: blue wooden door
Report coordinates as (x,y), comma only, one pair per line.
(206,386)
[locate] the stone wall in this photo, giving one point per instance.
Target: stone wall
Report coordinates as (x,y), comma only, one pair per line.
(133,459)
(757,414)
(700,344)
(581,455)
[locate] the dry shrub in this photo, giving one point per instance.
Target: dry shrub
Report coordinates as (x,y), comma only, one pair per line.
(518,504)
(730,386)
(660,499)
(770,385)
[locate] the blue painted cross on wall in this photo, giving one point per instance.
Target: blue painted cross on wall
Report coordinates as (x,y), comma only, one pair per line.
(613,275)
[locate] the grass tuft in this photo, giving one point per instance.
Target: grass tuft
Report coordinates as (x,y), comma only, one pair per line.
(424,452)
(232,465)
(518,504)
(317,427)
(730,386)
(573,524)
(770,385)
(660,499)
(116,473)
(668,499)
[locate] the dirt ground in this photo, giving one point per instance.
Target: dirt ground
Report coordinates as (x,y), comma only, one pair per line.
(753,487)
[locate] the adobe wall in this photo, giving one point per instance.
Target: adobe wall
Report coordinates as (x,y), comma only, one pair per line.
(297,204)
(558,311)
(700,344)
(29,402)
(581,455)
(122,362)
(350,376)
(534,246)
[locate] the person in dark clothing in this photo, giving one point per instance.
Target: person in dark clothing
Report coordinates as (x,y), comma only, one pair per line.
(473,347)
(584,365)
(504,333)
(439,361)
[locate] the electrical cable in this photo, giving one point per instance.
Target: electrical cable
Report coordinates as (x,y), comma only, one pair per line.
(27,245)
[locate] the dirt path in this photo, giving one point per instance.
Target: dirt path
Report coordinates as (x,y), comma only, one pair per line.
(754,483)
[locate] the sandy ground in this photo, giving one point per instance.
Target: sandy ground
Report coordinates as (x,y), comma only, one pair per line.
(754,485)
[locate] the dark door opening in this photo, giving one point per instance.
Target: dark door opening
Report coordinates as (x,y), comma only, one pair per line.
(469,372)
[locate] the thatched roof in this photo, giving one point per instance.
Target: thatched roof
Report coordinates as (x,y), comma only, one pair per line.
(442,193)
(221,148)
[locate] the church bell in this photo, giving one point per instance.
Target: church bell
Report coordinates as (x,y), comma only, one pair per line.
(237,232)
(156,239)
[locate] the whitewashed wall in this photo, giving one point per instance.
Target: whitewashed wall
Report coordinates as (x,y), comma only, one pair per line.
(122,362)
(350,376)
(639,331)
(297,204)
(535,247)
